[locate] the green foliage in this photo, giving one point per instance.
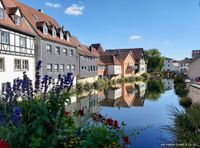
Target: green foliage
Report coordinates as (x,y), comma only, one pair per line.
(88,86)
(145,76)
(100,84)
(187,125)
(180,87)
(155,61)
(185,102)
(155,88)
(79,88)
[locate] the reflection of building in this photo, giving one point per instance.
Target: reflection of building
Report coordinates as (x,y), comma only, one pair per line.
(89,103)
(168,84)
(131,95)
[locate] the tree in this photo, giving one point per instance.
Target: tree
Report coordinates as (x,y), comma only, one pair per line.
(155,62)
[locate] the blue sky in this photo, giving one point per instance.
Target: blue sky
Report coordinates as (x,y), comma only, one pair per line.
(172,26)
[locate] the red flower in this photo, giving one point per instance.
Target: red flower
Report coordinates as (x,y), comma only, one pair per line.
(116,124)
(109,121)
(126,140)
(81,112)
(68,114)
(3,144)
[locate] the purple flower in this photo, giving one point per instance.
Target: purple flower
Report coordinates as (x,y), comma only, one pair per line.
(16,116)
(2,120)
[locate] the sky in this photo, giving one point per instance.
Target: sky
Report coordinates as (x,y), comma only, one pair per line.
(172,26)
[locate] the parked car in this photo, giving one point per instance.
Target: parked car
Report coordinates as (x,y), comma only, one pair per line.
(197,80)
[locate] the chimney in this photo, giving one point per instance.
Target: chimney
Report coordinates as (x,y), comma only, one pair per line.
(40,10)
(63,28)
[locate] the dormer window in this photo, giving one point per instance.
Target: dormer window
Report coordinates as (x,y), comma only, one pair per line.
(68,37)
(18,20)
(61,35)
(1,13)
(45,30)
(53,33)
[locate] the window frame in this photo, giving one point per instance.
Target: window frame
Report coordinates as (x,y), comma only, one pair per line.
(18,20)
(56,52)
(23,65)
(8,37)
(51,67)
(25,45)
(71,53)
(48,45)
(56,70)
(65,53)
(63,68)
(3,64)
(19,64)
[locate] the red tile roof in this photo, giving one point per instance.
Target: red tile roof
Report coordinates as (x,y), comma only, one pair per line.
(108,60)
(10,8)
(137,53)
(36,18)
(81,48)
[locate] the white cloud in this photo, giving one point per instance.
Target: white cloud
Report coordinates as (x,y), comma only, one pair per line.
(166,42)
(53,5)
(135,37)
(75,9)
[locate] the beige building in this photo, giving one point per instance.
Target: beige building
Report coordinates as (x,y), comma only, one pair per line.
(194,67)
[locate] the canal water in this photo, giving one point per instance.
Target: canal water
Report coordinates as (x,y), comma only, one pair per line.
(144,107)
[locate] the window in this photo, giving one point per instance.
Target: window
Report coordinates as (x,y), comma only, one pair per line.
(61,35)
(71,53)
(62,67)
(57,50)
(68,67)
(22,41)
(17,64)
(65,51)
(54,33)
(5,37)
(49,67)
(18,20)
(68,37)
(49,49)
(25,65)
(1,13)
(1,64)
(56,67)
(73,67)
(45,30)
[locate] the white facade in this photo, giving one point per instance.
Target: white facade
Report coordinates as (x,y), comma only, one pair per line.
(114,93)
(168,65)
(114,70)
(142,67)
(16,56)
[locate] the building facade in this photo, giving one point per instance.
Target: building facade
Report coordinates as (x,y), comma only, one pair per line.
(87,62)
(17,52)
(168,64)
(194,67)
(53,44)
(139,65)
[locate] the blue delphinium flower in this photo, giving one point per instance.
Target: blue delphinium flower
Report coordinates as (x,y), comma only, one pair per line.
(16,116)
(2,119)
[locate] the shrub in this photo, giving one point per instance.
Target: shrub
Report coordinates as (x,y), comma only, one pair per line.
(100,84)
(79,88)
(145,76)
(185,102)
(88,86)
(138,78)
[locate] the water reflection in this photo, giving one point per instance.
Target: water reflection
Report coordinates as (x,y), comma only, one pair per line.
(155,88)
(125,95)
(168,84)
